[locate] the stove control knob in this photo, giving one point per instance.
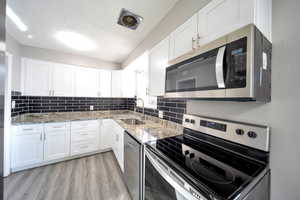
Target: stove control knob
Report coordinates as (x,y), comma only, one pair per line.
(252,134)
(187,120)
(192,121)
(239,131)
(186,152)
(192,155)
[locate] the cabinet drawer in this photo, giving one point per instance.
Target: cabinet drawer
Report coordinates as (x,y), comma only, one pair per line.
(55,127)
(84,135)
(83,147)
(29,129)
(85,125)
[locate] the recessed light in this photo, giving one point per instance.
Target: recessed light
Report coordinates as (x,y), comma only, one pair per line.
(75,40)
(30,36)
(18,22)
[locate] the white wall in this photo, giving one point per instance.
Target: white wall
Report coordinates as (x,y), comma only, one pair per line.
(66,58)
(14,48)
(18,51)
(282,113)
(182,11)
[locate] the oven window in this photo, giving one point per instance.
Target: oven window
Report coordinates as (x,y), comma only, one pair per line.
(237,59)
(197,73)
(156,187)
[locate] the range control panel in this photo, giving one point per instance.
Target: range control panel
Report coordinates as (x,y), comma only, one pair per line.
(255,136)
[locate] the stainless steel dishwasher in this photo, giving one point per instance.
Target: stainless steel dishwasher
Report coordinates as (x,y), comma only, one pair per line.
(132,166)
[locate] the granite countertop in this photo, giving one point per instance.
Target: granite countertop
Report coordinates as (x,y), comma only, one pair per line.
(152,129)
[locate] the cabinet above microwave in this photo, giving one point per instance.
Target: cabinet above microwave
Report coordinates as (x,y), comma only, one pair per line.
(234,67)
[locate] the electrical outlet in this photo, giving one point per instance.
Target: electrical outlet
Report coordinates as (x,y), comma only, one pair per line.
(13,104)
(91,107)
(161,114)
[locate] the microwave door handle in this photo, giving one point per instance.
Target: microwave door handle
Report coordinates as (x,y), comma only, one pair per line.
(219,67)
(174,183)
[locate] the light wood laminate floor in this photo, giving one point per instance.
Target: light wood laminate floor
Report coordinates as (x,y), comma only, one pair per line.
(95,177)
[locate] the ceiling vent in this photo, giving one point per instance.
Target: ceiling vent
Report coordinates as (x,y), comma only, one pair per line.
(129,19)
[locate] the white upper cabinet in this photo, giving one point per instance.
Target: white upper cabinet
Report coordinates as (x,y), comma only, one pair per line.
(158,61)
(221,17)
(184,38)
(128,83)
(36,77)
(62,80)
(105,83)
(86,82)
(116,83)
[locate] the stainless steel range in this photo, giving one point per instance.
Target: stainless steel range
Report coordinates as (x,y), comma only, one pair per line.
(212,160)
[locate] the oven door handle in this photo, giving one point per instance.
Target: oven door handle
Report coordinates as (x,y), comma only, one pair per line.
(219,67)
(165,173)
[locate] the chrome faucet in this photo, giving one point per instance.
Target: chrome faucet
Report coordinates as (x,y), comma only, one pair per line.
(143,104)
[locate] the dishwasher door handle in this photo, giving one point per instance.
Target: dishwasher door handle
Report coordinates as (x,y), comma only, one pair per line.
(132,145)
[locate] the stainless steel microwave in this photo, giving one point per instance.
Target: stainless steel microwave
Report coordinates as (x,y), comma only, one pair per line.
(234,67)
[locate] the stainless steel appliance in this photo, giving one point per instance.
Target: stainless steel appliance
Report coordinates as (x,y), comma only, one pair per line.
(212,160)
(2,88)
(234,67)
(132,166)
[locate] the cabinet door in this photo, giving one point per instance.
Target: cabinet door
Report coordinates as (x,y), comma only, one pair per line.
(86,82)
(116,83)
(105,83)
(121,150)
(118,146)
(158,61)
(128,83)
(221,17)
(62,80)
(115,143)
(57,141)
(36,77)
(106,134)
(182,39)
(27,147)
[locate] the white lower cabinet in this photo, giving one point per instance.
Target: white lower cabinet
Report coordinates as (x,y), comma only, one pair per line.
(57,141)
(84,137)
(39,144)
(27,145)
(106,134)
(118,144)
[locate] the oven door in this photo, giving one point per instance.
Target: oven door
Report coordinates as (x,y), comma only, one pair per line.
(199,77)
(162,183)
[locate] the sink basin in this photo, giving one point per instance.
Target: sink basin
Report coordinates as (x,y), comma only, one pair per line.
(133,121)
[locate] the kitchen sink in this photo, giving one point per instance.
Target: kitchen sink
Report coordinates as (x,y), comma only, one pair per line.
(133,121)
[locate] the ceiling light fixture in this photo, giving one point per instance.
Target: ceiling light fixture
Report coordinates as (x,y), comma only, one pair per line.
(18,22)
(129,19)
(75,40)
(30,36)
